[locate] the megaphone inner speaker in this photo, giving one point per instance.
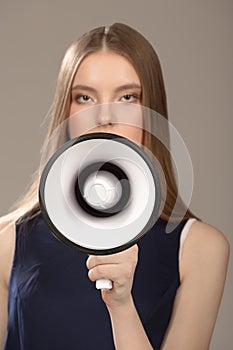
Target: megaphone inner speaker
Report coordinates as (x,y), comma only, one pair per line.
(102,190)
(100,193)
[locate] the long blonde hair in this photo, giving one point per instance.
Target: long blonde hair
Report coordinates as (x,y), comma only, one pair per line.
(125,41)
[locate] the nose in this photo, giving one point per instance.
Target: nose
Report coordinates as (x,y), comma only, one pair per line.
(104,115)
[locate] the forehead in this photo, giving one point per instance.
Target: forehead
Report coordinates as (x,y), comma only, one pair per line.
(105,66)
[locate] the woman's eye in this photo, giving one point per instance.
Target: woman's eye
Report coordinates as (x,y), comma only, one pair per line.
(82,98)
(129,98)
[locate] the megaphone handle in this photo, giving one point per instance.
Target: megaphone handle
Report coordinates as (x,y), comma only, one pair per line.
(103,283)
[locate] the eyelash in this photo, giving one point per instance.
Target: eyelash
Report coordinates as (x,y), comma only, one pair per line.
(134,96)
(79,96)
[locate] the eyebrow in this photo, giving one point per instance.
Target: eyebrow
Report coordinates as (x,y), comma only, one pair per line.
(118,89)
(128,87)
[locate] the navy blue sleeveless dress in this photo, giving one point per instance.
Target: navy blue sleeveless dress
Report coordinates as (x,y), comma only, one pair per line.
(54,306)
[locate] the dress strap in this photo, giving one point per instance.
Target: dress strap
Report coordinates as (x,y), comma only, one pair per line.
(185,233)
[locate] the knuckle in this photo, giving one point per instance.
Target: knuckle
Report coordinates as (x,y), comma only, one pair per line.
(92,261)
(88,262)
(95,273)
(91,275)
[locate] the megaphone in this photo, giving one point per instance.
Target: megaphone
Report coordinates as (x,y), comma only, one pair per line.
(100,193)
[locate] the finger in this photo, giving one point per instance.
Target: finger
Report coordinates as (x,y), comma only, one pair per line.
(96,260)
(130,254)
(103,271)
(117,275)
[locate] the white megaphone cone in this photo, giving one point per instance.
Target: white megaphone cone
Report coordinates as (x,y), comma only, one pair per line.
(100,193)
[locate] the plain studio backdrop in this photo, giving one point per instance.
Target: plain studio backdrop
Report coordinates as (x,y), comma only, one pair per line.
(194,42)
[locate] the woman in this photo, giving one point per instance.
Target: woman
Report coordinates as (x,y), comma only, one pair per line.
(163,297)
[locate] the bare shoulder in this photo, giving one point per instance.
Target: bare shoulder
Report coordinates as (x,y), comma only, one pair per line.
(7,248)
(208,231)
(205,246)
(204,236)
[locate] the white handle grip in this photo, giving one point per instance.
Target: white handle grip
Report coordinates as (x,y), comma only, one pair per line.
(103,283)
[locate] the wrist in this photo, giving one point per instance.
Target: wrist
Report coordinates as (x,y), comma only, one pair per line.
(122,308)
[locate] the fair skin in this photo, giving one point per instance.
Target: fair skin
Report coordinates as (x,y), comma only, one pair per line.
(113,80)
(106,77)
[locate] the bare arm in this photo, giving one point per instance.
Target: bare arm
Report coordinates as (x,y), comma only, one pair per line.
(128,331)
(203,271)
(7,243)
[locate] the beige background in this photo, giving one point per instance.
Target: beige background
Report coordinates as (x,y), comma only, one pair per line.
(194,42)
